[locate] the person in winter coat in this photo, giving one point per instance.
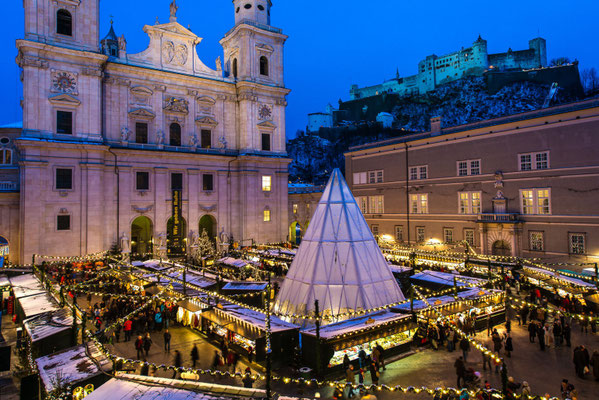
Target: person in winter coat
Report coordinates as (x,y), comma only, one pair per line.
(509,346)
(541,335)
(497,342)
(248,381)
(381,356)
(460,370)
(127,328)
(177,363)
(595,364)
(581,359)
(526,390)
(374,373)
(362,357)
(195,355)
(465,347)
(158,321)
(167,340)
(345,362)
(139,346)
(566,331)
(350,379)
(147,344)
(532,331)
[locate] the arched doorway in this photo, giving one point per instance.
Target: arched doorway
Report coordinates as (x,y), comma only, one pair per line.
(295,233)
(4,251)
(142,231)
(176,241)
(501,248)
(208,224)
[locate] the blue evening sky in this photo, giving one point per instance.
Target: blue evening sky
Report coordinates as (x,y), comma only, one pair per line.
(334,43)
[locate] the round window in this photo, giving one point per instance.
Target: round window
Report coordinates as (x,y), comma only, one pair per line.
(4,140)
(237,11)
(247,6)
(261,7)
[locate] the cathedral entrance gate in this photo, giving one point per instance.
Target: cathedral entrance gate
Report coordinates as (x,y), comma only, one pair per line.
(142,235)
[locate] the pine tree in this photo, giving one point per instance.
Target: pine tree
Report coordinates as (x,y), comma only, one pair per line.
(205,247)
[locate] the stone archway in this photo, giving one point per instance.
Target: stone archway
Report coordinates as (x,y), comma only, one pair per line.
(208,223)
(501,248)
(142,230)
(176,239)
(295,233)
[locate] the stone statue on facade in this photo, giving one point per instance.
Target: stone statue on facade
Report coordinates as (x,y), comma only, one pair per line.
(161,241)
(223,142)
(160,136)
(122,43)
(219,64)
(498,179)
(193,140)
(125,248)
(174,9)
(125,134)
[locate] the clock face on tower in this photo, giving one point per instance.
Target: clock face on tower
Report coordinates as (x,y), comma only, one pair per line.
(64,82)
(264,112)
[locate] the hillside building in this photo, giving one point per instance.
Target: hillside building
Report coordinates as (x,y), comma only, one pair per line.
(472,61)
(522,185)
(144,150)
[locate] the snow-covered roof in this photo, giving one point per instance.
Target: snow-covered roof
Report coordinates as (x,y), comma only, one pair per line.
(193,278)
(439,301)
(45,325)
(233,262)
(154,388)
(26,285)
(251,318)
(4,281)
(72,364)
(368,321)
(249,286)
(338,262)
(399,268)
(443,278)
(557,275)
(38,304)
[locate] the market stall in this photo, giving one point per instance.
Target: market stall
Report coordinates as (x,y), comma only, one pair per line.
(392,331)
(189,312)
(245,330)
(37,304)
(552,283)
(75,367)
(50,332)
(26,285)
(480,304)
(436,280)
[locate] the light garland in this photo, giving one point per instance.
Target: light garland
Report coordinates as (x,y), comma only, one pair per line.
(553,310)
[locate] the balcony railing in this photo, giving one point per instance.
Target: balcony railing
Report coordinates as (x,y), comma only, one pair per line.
(257,25)
(498,218)
(9,186)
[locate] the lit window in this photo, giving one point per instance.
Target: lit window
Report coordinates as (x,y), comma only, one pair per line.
(295,208)
(469,236)
(535,201)
(399,233)
(376,204)
(419,203)
(363,204)
(537,241)
(469,202)
(577,243)
(266,183)
(420,234)
(448,235)
(532,161)
(266,215)
(5,156)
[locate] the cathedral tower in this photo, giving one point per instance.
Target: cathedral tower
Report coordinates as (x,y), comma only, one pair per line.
(65,23)
(252,10)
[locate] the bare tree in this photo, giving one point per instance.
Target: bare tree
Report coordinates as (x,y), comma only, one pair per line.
(559,61)
(590,80)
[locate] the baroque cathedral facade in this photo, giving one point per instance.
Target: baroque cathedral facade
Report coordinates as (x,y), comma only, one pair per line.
(148,150)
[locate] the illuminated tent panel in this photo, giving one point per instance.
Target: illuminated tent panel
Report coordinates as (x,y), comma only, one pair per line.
(338,262)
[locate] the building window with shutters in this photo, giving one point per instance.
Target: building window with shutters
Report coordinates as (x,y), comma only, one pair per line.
(469,236)
(398,233)
(448,235)
(420,234)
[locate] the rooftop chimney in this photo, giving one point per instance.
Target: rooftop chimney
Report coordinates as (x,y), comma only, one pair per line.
(435,126)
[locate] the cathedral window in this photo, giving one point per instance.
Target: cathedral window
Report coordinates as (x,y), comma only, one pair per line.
(64,122)
(63,222)
(266,142)
(5,156)
(141,132)
(247,6)
(261,7)
(142,180)
(176,181)
(64,179)
(64,23)
(235,67)
(264,66)
(175,134)
(208,182)
(206,138)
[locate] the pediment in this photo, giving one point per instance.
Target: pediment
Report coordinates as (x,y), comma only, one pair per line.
(173,29)
(206,100)
(206,121)
(142,91)
(64,99)
(141,112)
(265,48)
(267,125)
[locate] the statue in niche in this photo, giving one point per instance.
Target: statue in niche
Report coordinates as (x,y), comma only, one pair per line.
(219,64)
(161,241)
(125,134)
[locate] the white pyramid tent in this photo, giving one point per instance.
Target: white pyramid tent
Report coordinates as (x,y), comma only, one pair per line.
(338,262)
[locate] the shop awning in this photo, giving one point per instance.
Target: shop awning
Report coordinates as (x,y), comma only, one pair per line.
(232,325)
(191,306)
(246,286)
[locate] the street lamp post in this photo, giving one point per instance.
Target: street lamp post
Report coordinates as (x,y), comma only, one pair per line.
(317,316)
(268,348)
